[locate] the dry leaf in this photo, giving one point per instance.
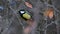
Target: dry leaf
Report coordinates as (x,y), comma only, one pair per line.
(49,13)
(28,4)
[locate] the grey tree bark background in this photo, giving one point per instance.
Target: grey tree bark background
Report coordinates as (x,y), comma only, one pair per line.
(11,22)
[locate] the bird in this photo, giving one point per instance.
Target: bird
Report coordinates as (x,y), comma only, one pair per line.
(24,14)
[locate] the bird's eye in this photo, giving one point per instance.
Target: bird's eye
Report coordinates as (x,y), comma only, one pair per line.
(22,11)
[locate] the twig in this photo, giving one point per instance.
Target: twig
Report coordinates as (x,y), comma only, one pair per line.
(15,12)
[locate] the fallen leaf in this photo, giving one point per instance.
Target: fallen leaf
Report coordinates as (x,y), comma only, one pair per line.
(49,13)
(28,4)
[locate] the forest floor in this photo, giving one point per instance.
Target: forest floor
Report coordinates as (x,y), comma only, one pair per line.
(12,23)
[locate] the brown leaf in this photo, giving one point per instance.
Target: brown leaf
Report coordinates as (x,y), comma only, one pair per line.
(28,4)
(49,13)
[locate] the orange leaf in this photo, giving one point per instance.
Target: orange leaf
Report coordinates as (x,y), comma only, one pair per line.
(49,13)
(28,4)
